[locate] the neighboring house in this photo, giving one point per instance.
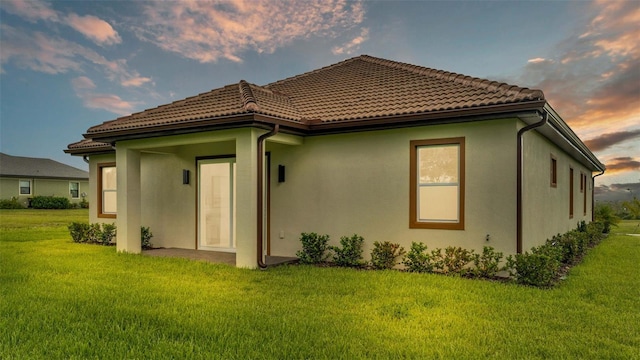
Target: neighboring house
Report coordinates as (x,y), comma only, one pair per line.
(387,150)
(26,177)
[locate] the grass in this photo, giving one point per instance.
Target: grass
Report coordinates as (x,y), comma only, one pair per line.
(59,299)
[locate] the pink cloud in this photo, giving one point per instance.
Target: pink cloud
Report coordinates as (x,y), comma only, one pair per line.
(135,81)
(208,31)
(53,55)
(32,10)
(353,45)
(39,52)
(82,82)
(536,60)
(94,28)
(595,84)
(109,102)
(83,86)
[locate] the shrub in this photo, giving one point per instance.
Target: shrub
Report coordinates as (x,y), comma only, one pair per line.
(93,234)
(145,238)
(487,264)
(84,204)
(350,254)
(314,247)
(50,202)
(453,260)
(104,234)
(418,260)
(12,203)
(582,226)
(537,268)
(605,215)
(571,245)
(78,231)
(107,234)
(384,255)
(594,232)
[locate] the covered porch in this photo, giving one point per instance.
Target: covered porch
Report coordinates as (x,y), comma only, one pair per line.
(152,191)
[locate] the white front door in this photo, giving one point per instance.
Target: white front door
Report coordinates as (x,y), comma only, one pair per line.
(217,204)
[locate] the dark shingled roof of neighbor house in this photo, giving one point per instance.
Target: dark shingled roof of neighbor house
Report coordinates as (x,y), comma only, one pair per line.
(19,166)
(359,88)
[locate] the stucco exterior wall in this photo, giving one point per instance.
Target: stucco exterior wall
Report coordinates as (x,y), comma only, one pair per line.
(9,187)
(359,183)
(546,208)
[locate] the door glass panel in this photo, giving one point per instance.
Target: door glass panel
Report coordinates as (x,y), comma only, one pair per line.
(217,204)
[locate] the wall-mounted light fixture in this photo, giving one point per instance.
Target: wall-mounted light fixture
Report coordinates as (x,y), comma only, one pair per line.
(280,173)
(185,176)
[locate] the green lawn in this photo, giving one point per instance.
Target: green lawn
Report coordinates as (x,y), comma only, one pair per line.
(59,299)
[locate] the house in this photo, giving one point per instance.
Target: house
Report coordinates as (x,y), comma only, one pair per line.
(26,177)
(387,150)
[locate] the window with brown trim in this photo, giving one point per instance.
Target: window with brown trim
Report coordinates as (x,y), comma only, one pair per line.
(584,194)
(437,184)
(571,193)
(107,190)
(554,171)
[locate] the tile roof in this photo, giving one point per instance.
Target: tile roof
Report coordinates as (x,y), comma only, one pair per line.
(88,146)
(366,87)
(19,166)
(359,88)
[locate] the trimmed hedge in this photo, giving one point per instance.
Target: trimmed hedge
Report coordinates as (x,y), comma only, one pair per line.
(50,202)
(542,266)
(12,203)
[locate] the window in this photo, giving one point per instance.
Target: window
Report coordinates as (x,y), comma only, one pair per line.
(570,193)
(25,187)
(554,171)
(74,189)
(584,193)
(107,190)
(437,184)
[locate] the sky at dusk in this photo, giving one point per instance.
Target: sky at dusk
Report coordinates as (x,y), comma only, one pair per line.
(68,65)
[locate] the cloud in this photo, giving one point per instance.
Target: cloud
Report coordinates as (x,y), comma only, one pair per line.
(594,82)
(53,55)
(33,10)
(40,52)
(617,191)
(353,45)
(83,87)
(82,83)
(536,60)
(135,81)
(607,140)
(94,28)
(207,31)
(625,163)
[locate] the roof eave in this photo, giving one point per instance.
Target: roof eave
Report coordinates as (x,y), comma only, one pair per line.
(449,116)
(572,142)
(219,123)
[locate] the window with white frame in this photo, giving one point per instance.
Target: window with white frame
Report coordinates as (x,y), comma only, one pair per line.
(437,184)
(74,189)
(25,187)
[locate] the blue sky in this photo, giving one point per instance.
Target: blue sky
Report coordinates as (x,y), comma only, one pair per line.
(68,65)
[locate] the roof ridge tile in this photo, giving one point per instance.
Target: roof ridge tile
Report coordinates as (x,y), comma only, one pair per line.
(249,102)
